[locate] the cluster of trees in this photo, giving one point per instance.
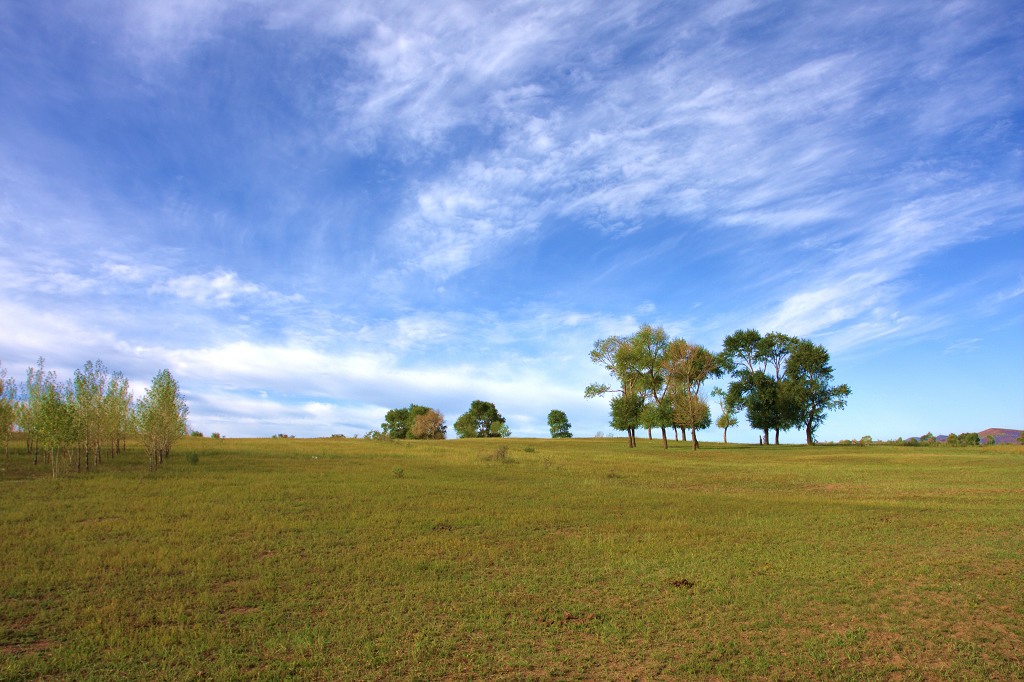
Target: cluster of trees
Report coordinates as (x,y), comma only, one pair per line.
(415,421)
(659,382)
(481,420)
(70,424)
(964,440)
(779,381)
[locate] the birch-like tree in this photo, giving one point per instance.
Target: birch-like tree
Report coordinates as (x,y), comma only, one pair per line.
(161,417)
(90,384)
(8,408)
(687,367)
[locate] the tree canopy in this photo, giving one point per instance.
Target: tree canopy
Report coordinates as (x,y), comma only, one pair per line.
(415,421)
(779,381)
(659,381)
(482,420)
(161,416)
(559,424)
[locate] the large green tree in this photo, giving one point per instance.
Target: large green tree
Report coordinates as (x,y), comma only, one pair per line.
(558,423)
(161,417)
(625,414)
(758,365)
(396,423)
(482,420)
(808,387)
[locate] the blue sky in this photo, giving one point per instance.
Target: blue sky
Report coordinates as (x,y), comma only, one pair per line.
(311,212)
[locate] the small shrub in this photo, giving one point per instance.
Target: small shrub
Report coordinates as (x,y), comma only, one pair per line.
(196,434)
(529,448)
(500,455)
(214,435)
(192,458)
(398,472)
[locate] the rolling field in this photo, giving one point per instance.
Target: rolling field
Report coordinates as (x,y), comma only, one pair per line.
(581,559)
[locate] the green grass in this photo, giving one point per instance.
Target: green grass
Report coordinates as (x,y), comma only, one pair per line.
(581,559)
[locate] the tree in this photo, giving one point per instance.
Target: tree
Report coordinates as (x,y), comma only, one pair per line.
(638,364)
(741,357)
(970,439)
(691,410)
(118,412)
(808,388)
(757,393)
(90,384)
(687,367)
(8,408)
(559,424)
(727,418)
(161,417)
(31,405)
(428,425)
(55,421)
(396,423)
(401,423)
(482,420)
(625,414)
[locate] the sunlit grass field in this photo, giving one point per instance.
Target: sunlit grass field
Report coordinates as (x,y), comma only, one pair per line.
(582,559)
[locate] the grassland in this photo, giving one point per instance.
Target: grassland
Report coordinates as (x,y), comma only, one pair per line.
(350,559)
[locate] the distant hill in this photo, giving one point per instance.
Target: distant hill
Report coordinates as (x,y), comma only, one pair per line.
(1001,435)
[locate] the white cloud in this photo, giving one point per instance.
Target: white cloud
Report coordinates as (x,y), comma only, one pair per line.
(218,288)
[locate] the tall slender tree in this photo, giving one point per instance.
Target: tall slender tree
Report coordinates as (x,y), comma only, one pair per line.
(161,417)
(687,367)
(728,416)
(8,408)
(90,384)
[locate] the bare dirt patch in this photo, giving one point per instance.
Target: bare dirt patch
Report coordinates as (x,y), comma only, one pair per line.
(27,647)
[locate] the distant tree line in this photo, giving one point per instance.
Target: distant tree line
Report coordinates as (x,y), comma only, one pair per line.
(779,381)
(964,440)
(74,424)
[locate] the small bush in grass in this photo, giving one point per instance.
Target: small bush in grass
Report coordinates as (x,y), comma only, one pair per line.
(529,448)
(500,455)
(398,472)
(192,458)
